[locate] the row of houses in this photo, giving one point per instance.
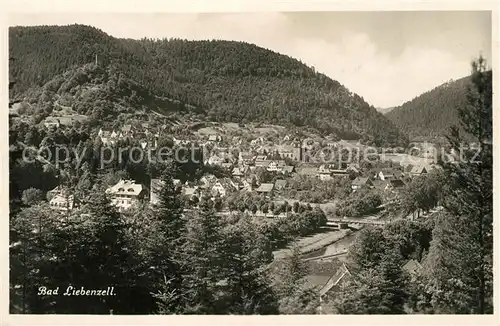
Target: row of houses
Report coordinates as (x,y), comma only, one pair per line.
(386,185)
(247,163)
(389,179)
(258,157)
(112,135)
(127,193)
(327,172)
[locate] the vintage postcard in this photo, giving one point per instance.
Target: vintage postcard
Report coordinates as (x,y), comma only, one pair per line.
(273,161)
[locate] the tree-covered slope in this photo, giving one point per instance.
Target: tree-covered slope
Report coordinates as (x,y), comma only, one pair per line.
(101,93)
(226,80)
(431,114)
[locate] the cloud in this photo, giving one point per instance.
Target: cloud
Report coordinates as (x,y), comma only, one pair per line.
(382,80)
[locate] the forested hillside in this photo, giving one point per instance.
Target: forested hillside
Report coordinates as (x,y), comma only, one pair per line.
(431,114)
(101,93)
(223,80)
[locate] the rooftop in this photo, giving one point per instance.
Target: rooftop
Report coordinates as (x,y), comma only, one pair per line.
(128,187)
(266,187)
(359,181)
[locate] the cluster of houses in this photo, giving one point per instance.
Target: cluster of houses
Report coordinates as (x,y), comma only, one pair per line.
(110,136)
(284,159)
(271,158)
(389,179)
(127,193)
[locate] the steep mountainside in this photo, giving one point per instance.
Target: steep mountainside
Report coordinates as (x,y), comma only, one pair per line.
(431,114)
(223,80)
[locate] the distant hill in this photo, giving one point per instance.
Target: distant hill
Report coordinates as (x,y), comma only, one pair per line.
(385,111)
(431,114)
(215,80)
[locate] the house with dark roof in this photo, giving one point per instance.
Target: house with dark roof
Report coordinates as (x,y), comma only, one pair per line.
(418,170)
(398,174)
(56,191)
(340,173)
(246,185)
(324,172)
(104,132)
(335,281)
(325,168)
(394,184)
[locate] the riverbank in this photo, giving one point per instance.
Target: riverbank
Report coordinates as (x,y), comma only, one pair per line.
(313,244)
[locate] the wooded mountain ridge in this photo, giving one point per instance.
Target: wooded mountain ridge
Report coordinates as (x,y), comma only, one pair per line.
(220,80)
(430,115)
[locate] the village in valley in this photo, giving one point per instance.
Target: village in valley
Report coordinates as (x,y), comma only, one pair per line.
(272,166)
(268,174)
(208,177)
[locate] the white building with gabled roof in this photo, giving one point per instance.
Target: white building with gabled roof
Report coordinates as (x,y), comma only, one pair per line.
(126,193)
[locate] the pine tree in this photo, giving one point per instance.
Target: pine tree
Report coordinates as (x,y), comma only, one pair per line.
(294,296)
(204,258)
(459,263)
(169,208)
(247,288)
(167,259)
(376,290)
(106,257)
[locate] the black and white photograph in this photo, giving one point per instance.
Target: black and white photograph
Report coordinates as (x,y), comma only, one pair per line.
(251,163)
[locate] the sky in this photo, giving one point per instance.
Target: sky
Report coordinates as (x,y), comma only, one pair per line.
(387,57)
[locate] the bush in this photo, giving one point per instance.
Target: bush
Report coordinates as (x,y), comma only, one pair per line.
(363,203)
(32,196)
